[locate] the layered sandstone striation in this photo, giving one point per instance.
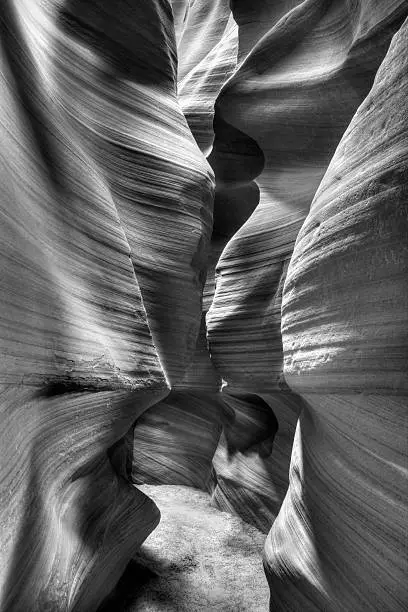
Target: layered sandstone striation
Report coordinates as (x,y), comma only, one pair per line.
(160,327)
(252,460)
(344,327)
(303,69)
(106,203)
(207,55)
(125,108)
(277,123)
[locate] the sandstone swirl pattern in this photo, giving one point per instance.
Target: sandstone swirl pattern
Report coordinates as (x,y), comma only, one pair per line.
(303,69)
(207,55)
(339,542)
(277,123)
(125,107)
(113,265)
(100,178)
(174,442)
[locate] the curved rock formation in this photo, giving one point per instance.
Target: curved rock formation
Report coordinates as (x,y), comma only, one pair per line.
(277,123)
(207,52)
(339,542)
(252,461)
(174,442)
(96,158)
(113,262)
(127,113)
(303,69)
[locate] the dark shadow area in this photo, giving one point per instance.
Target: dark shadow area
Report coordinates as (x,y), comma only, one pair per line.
(135,577)
(253,422)
(236,160)
(122,34)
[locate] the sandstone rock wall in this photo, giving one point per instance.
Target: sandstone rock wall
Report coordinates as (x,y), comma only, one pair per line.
(339,542)
(303,69)
(106,203)
(128,300)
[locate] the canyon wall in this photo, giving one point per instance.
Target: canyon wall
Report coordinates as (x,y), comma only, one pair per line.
(344,329)
(303,69)
(237,325)
(106,205)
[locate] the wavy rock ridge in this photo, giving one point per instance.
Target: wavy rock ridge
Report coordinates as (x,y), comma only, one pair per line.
(350,445)
(89,171)
(302,72)
(245,335)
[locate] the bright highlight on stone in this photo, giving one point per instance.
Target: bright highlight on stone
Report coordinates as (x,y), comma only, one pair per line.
(203,305)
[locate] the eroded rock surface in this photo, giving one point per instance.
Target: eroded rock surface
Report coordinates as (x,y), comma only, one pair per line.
(96,156)
(303,69)
(127,112)
(339,542)
(277,123)
(115,269)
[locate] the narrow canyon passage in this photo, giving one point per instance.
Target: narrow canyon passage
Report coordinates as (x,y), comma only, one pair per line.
(203,305)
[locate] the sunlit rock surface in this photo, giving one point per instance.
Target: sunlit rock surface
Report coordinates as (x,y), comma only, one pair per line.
(277,123)
(207,53)
(339,542)
(114,264)
(96,156)
(301,75)
(125,107)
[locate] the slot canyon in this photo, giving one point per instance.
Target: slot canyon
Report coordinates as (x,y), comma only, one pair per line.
(204,305)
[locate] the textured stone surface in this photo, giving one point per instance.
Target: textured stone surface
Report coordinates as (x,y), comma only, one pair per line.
(174,442)
(278,121)
(113,265)
(207,52)
(252,460)
(303,69)
(128,113)
(346,295)
(89,170)
(339,542)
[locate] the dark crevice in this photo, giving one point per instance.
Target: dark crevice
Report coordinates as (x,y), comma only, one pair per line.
(236,160)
